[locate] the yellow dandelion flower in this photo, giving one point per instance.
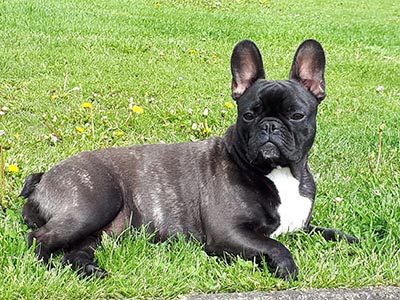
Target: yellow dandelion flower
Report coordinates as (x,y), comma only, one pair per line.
(157,4)
(137,109)
(87,105)
(229,105)
(80,129)
(13,169)
(193,51)
(53,94)
(206,130)
(119,133)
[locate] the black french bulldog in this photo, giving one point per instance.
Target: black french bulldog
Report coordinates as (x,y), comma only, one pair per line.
(234,194)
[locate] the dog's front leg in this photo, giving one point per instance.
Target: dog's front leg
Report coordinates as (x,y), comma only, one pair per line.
(254,245)
(330,234)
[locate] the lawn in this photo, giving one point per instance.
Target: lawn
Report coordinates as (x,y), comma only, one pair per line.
(81,75)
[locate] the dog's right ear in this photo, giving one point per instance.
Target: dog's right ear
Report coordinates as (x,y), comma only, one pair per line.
(246,67)
(308,68)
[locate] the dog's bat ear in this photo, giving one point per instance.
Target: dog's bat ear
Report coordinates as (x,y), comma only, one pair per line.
(246,67)
(308,68)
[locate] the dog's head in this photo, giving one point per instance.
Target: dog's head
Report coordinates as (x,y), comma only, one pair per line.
(276,122)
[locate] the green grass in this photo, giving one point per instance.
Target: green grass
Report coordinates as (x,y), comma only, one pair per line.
(171,58)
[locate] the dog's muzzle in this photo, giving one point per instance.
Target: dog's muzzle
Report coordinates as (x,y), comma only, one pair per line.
(269,152)
(267,156)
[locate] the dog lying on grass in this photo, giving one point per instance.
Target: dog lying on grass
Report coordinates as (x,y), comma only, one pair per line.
(233,193)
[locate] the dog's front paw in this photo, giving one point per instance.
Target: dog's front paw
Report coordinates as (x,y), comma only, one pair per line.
(286,269)
(351,239)
(331,234)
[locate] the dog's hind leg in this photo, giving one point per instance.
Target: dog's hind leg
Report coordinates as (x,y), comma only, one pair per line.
(73,229)
(81,257)
(31,215)
(76,201)
(58,233)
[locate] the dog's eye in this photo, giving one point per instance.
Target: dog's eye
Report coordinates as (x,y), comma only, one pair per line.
(248,116)
(297,116)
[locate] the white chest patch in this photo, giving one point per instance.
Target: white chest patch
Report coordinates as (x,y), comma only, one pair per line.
(294,208)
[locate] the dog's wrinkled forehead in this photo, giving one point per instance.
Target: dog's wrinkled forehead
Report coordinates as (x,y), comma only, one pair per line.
(275,93)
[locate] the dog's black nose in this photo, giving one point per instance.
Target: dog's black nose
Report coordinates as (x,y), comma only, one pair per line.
(271,126)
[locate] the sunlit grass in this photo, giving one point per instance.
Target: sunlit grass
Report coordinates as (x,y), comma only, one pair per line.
(77,75)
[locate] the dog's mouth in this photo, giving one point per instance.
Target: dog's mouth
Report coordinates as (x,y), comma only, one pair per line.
(268,155)
(269,151)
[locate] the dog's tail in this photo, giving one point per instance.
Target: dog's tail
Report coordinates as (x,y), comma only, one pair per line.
(30,183)
(30,211)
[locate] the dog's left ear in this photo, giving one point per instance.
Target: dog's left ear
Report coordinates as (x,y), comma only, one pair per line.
(246,67)
(308,68)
